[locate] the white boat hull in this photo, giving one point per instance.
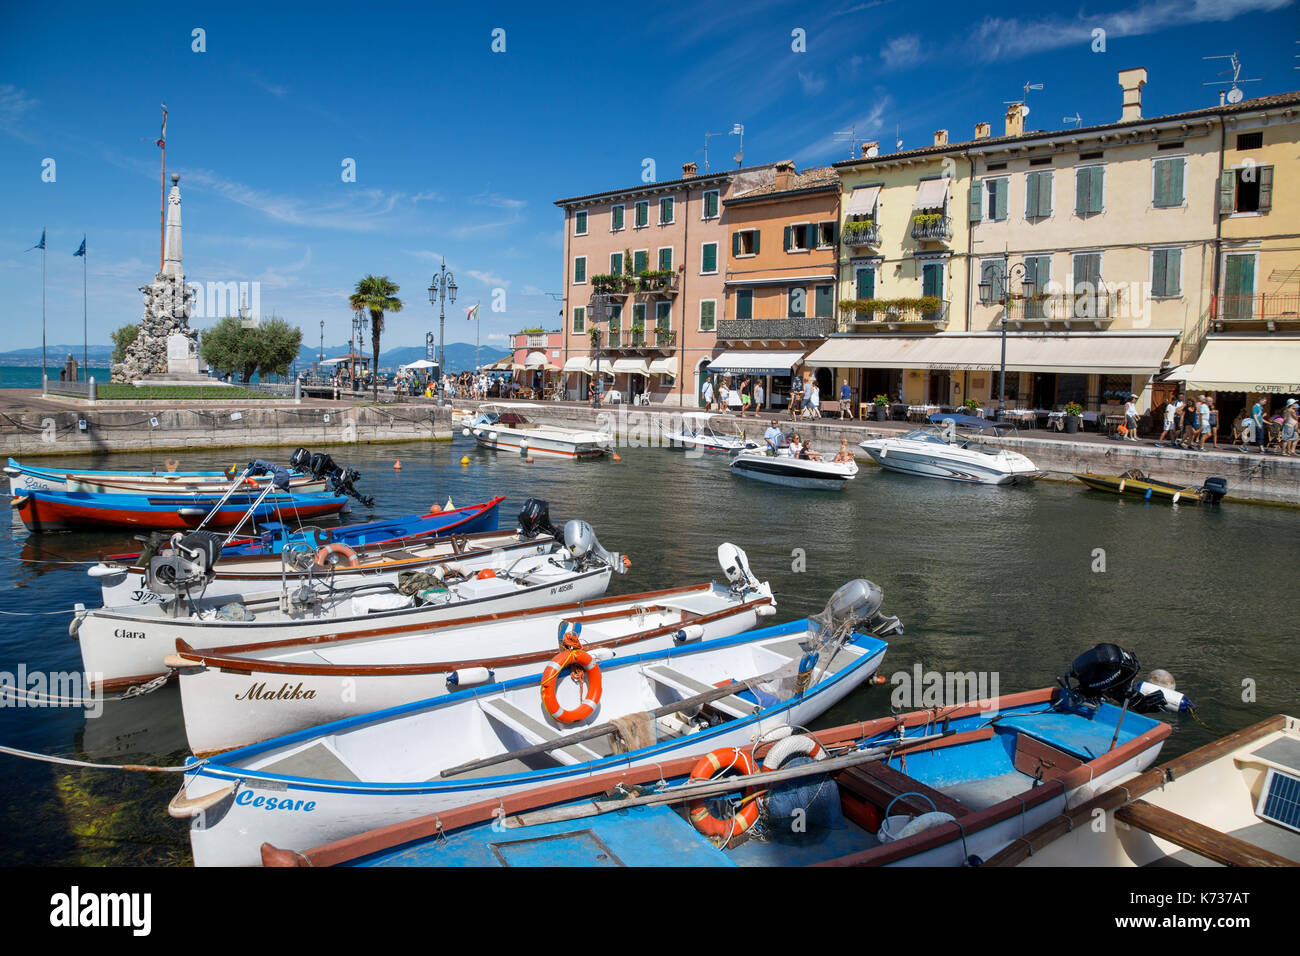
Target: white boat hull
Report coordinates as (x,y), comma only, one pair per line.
(794,472)
(542,441)
(957,464)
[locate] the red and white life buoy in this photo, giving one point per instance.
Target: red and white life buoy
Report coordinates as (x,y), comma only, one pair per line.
(332,555)
(726,760)
(590,680)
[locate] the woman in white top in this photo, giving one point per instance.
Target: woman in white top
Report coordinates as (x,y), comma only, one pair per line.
(1131,418)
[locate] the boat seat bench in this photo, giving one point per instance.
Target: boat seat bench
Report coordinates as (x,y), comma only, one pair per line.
(534,731)
(1202,840)
(690,687)
(878,784)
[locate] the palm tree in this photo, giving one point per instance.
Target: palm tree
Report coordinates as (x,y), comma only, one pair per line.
(376,295)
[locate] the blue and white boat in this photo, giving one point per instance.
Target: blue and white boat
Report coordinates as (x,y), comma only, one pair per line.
(345,777)
(931,453)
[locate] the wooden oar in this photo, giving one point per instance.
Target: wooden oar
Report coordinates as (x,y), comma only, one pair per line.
(600,730)
(711,788)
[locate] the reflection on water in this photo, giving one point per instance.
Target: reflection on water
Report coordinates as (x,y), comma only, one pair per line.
(985,579)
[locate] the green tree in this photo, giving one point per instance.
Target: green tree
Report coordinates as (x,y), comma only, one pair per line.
(268,348)
(122,339)
(376,295)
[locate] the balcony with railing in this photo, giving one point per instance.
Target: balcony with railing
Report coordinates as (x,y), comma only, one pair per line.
(775,330)
(1272,311)
(861,233)
(932,227)
(614,286)
(657,282)
(928,314)
(636,338)
(1097,309)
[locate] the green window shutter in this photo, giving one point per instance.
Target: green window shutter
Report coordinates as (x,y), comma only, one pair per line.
(579,319)
(615,263)
(787,239)
(1227,192)
(735,243)
(707,315)
(1173,270)
(1240,277)
(745,304)
(976,197)
(640,261)
(1096,187)
(580,269)
(1044,194)
(1000,211)
(866,283)
(824,307)
(1159,271)
(1031,196)
(756,237)
(1265,188)
(1160,196)
(1176,182)
(1082,191)
(666,258)
(932,280)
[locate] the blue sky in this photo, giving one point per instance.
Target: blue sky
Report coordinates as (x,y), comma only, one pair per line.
(461,151)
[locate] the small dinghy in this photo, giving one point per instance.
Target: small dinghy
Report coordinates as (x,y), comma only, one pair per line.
(488,742)
(939,787)
(782,468)
(241,695)
(506,426)
(696,433)
(122,646)
(1137,485)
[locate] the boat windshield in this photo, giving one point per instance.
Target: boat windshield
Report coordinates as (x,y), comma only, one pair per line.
(924,436)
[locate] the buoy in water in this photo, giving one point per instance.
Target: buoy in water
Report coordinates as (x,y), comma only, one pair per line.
(879,679)
(397,465)
(464,459)
(465,432)
(529,459)
(616,458)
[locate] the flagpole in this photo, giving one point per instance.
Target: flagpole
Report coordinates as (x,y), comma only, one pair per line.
(85,316)
(44,372)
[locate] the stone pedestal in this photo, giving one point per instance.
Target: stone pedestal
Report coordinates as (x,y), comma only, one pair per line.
(182,356)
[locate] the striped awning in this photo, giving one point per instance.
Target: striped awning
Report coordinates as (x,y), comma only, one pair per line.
(756,362)
(863,201)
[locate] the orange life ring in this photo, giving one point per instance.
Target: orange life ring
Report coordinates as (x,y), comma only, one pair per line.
(590,679)
(724,760)
(325,556)
(486,573)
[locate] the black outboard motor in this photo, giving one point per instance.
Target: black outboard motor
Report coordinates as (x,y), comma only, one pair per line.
(535,519)
(1107,672)
(1214,490)
(321,465)
(190,561)
(279,475)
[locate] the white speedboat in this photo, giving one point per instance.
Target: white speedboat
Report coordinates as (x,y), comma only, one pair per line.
(697,433)
(782,468)
(506,426)
(931,453)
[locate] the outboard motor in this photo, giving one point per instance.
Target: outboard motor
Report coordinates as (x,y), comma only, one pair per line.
(581,541)
(535,519)
(340,479)
(279,475)
(1214,490)
(860,600)
(191,561)
(1107,671)
(735,565)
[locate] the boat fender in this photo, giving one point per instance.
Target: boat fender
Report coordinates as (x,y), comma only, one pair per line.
(798,744)
(465,432)
(602,653)
(691,632)
(590,678)
(74,626)
(18,501)
(326,556)
(722,761)
(465,676)
(183,807)
(764,610)
(1174,500)
(1173,702)
(492,436)
(106,571)
(925,821)
(1122,483)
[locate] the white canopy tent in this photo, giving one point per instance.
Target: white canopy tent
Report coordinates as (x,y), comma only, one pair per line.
(418,364)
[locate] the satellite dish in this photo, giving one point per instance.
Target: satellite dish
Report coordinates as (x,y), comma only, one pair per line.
(1234,95)
(1024,110)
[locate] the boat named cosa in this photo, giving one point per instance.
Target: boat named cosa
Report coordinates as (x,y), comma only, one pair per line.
(259,692)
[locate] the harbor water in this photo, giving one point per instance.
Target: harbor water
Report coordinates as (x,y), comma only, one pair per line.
(1008,583)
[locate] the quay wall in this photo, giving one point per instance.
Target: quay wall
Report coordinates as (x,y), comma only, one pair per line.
(156,428)
(1265,479)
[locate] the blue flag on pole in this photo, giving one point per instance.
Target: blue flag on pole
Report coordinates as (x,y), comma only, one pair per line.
(82,250)
(41,244)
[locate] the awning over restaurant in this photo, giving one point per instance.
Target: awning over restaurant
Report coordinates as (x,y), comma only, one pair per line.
(1080,353)
(576,364)
(756,362)
(1256,363)
(663,366)
(535,360)
(604,369)
(630,366)
(863,201)
(931,194)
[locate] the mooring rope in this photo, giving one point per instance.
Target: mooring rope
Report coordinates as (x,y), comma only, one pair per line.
(72,762)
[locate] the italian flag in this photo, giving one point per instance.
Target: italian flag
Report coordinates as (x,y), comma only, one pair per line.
(472,312)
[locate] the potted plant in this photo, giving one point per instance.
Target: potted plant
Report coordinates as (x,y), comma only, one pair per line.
(881,403)
(971,406)
(1073,411)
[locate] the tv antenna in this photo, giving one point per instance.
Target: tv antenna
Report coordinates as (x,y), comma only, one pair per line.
(739,130)
(851,133)
(706,148)
(1234,93)
(1023,102)
(898,139)
(1076,119)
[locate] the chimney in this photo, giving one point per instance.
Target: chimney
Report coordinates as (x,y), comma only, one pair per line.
(870,150)
(1131,82)
(1015,120)
(982,130)
(784,173)
(941,137)
(689,169)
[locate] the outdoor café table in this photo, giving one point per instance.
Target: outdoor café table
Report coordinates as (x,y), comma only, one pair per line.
(921,412)
(1020,416)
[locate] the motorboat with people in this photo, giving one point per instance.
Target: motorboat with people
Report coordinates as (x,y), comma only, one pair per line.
(945,452)
(783,460)
(1135,484)
(505,426)
(697,432)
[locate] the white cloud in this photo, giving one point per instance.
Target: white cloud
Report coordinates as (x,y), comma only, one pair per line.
(497,337)
(361,210)
(532,290)
(14,105)
(489,278)
(901,51)
(812,83)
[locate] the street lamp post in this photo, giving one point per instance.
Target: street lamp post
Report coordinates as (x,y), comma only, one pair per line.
(442,288)
(321,360)
(598,305)
(1028,288)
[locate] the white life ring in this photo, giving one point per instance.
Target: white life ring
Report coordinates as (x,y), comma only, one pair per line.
(792,746)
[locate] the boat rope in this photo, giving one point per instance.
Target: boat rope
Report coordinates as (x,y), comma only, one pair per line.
(138,690)
(37,613)
(10,557)
(1197,717)
(89,765)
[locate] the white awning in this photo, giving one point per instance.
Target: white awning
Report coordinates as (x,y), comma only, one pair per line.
(863,201)
(663,366)
(576,364)
(535,360)
(931,194)
(631,366)
(1257,363)
(1176,374)
(604,369)
(1078,353)
(419,363)
(755,362)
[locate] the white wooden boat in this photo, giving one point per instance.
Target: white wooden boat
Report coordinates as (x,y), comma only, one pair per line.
(123,646)
(782,468)
(1233,802)
(240,695)
(696,433)
(351,775)
(131,582)
(506,427)
(25,478)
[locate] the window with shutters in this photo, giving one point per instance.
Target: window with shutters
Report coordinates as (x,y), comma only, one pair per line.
(744,303)
(710,204)
(638,315)
(744,242)
(864,285)
(1087,285)
(798,237)
(1038,195)
(1238,286)
(615,316)
(826,234)
(1038,273)
(1246,189)
(666,211)
(708,258)
(708,314)
(665,258)
(616,218)
(641,212)
(1166,273)
(640,261)
(664,316)
(580,223)
(579,270)
(824,304)
(579,320)
(993,274)
(1089,190)
(616,263)
(988,200)
(1167,181)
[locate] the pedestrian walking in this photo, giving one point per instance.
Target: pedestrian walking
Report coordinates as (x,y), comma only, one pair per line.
(1169,421)
(796,397)
(706,395)
(745,385)
(846,394)
(758,397)
(1290,428)
(1131,418)
(815,400)
(1214,421)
